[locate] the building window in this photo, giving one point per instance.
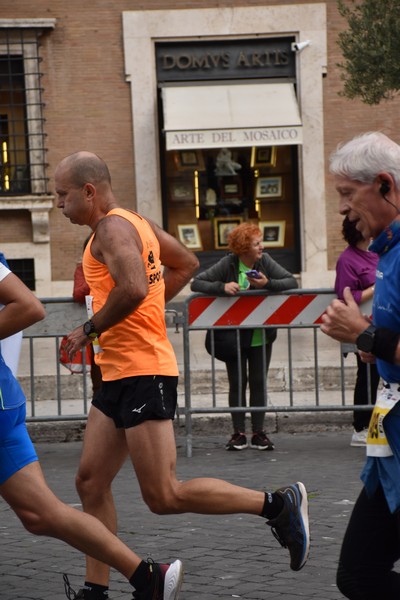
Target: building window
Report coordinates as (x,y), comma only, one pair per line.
(210,191)
(230,129)
(22,148)
(24,268)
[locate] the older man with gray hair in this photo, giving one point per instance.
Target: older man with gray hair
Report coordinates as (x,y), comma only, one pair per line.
(366,172)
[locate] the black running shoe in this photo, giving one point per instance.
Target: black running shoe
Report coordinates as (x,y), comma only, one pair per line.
(238,441)
(290,527)
(260,441)
(72,595)
(165,582)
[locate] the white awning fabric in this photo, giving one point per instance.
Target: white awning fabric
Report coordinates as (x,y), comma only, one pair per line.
(233,115)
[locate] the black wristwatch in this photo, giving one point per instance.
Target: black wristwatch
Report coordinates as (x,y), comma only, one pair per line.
(89,330)
(366,339)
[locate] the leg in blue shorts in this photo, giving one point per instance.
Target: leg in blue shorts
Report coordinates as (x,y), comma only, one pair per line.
(24,488)
(16,448)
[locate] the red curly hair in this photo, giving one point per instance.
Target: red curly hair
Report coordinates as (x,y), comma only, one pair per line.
(241,238)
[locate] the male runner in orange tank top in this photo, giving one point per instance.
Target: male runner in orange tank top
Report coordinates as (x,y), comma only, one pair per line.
(133,412)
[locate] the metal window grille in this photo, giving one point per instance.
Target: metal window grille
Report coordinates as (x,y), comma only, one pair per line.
(22,149)
(24,268)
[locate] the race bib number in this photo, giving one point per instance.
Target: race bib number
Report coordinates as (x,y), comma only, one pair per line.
(377,443)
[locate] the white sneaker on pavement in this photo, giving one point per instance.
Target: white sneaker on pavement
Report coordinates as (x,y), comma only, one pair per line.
(359,438)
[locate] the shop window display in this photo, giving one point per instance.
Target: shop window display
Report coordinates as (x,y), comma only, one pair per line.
(209,190)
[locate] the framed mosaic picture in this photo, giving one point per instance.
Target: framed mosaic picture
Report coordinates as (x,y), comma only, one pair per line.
(263,156)
(189,160)
(181,190)
(189,235)
(222,227)
(268,187)
(273,233)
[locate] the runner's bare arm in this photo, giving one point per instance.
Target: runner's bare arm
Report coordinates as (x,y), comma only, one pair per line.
(21,307)
(117,245)
(179,263)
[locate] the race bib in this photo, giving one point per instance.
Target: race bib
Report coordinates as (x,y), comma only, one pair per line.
(89,309)
(377,444)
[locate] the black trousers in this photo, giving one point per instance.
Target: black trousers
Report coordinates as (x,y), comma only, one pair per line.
(252,371)
(361,418)
(370,548)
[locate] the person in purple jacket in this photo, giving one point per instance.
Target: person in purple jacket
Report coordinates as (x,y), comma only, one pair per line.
(356,269)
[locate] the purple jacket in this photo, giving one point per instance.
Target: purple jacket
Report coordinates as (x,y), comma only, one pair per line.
(355,269)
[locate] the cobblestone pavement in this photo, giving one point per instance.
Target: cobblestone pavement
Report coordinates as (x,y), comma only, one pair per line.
(229,556)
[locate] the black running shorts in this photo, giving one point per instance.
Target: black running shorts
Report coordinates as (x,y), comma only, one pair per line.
(132,400)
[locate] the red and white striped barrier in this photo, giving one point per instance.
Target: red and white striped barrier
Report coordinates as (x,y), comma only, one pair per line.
(304,309)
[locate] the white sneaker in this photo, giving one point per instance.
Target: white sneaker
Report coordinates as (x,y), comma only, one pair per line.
(359,438)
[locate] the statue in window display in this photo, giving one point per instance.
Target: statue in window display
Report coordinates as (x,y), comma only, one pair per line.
(225,165)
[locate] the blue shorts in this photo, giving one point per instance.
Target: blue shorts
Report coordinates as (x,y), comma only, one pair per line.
(16,448)
(132,400)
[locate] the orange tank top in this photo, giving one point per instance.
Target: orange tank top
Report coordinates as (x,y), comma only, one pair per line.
(139,344)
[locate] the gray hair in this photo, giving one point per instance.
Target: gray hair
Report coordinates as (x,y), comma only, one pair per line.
(366,155)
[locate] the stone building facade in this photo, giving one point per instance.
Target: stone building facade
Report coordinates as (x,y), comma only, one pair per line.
(207,113)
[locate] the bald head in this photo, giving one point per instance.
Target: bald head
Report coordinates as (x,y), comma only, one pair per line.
(85,167)
(83,188)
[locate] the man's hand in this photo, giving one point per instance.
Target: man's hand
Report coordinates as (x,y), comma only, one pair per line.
(367,357)
(343,321)
(76,340)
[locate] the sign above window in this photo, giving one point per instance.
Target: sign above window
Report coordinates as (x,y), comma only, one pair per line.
(231,115)
(228,59)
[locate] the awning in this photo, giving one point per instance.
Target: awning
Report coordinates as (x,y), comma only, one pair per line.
(234,115)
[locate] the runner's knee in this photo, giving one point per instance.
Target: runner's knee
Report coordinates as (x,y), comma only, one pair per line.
(85,486)
(161,503)
(34,522)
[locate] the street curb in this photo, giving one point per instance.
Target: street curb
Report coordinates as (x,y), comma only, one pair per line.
(73,431)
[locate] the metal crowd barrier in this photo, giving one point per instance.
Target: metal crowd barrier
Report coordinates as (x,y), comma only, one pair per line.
(45,381)
(294,384)
(52,392)
(289,312)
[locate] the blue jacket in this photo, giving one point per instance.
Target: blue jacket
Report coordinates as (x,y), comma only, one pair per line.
(386,313)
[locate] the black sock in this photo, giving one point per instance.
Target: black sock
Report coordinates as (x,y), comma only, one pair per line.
(141,577)
(93,591)
(273,505)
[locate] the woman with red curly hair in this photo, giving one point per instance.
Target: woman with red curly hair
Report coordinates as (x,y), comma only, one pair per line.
(227,277)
